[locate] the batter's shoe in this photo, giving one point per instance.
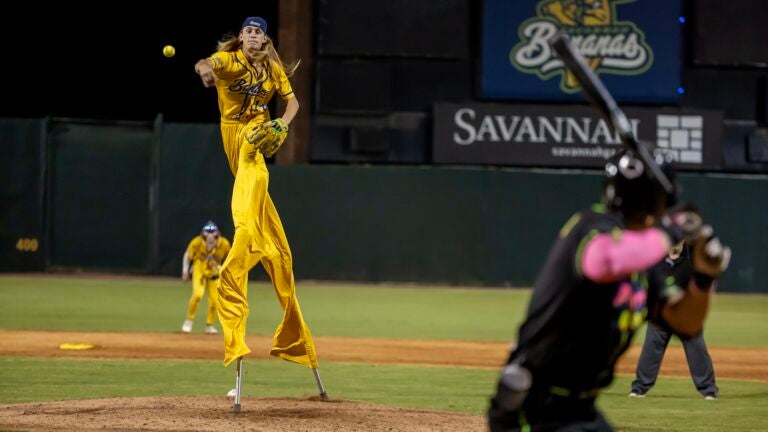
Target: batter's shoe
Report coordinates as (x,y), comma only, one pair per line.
(636,395)
(710,396)
(209,329)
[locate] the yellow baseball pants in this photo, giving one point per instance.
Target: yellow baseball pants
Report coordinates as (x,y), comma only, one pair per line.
(201,283)
(259,237)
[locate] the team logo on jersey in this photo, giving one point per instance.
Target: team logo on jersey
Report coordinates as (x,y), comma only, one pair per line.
(608,44)
(630,300)
(240,87)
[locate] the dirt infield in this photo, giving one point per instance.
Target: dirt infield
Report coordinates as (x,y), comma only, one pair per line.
(285,414)
(730,363)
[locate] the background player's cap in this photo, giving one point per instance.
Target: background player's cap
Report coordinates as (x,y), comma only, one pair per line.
(255,22)
(210,227)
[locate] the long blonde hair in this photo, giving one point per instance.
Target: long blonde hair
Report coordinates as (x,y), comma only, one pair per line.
(268,52)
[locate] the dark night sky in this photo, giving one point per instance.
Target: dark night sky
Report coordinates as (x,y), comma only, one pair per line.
(62,63)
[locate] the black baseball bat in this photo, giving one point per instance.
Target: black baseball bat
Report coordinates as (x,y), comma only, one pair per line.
(601,99)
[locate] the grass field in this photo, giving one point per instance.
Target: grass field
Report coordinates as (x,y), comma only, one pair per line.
(158,305)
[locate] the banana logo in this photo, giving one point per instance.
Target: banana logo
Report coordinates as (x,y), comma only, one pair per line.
(580,12)
(608,44)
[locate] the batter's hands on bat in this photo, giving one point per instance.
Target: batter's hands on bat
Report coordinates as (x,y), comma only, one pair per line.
(710,256)
(268,137)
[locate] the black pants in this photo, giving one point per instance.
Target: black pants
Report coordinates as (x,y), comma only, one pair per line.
(599,424)
(699,362)
(543,412)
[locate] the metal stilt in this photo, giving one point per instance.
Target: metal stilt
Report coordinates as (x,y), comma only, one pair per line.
(323,394)
(238,384)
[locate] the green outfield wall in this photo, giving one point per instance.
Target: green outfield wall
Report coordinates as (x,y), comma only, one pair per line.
(478,226)
(137,193)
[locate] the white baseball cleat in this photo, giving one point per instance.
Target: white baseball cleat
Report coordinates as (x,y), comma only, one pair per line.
(187,326)
(209,329)
(231,394)
(636,395)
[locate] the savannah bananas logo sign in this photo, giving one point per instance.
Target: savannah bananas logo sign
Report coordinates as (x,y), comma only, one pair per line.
(609,45)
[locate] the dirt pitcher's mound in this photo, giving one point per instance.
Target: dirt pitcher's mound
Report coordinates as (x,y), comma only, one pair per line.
(215,414)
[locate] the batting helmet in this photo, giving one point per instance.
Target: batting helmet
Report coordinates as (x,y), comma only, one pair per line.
(210,227)
(630,188)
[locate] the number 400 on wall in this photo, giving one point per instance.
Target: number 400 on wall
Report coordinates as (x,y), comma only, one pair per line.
(27,245)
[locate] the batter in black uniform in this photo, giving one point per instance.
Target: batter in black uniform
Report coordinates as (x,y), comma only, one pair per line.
(593,292)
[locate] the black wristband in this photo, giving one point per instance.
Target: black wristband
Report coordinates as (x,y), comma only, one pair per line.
(702,281)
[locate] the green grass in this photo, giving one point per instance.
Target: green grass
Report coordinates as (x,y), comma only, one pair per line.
(160,305)
(738,320)
(673,405)
(378,311)
(36,379)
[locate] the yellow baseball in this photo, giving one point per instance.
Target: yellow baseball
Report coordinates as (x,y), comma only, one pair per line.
(169,51)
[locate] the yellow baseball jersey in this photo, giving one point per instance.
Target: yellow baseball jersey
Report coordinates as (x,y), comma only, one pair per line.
(243,92)
(209,260)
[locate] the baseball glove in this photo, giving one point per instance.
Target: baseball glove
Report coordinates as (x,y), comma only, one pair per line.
(268,137)
(710,256)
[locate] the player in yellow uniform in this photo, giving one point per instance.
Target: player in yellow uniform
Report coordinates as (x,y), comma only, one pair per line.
(247,71)
(203,257)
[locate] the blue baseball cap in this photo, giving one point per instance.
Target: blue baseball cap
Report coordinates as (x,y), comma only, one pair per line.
(255,21)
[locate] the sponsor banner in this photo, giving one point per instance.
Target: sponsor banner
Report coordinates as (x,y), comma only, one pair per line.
(568,135)
(634,46)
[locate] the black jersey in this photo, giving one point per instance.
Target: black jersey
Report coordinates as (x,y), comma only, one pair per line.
(575,328)
(681,268)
